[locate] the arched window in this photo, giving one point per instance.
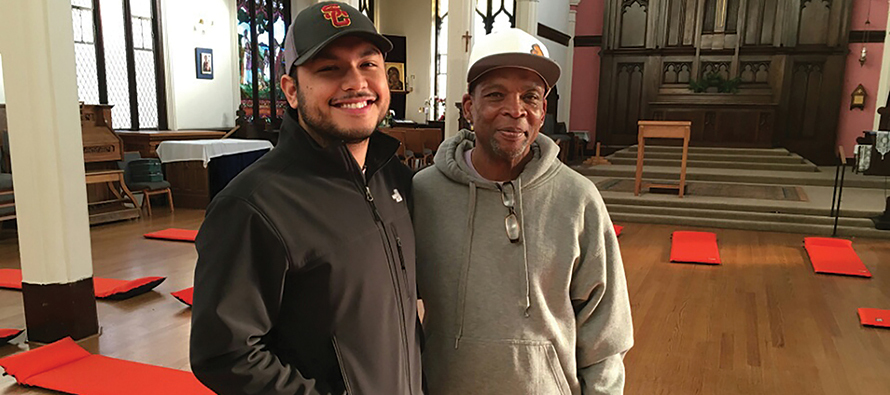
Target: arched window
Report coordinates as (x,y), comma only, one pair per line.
(491,16)
(116,60)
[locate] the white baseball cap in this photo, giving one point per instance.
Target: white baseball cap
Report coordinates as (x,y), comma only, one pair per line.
(512,48)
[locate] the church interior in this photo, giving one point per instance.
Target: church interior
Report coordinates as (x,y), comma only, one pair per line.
(763,123)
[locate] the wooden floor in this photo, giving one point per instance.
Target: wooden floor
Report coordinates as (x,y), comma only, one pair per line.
(762,323)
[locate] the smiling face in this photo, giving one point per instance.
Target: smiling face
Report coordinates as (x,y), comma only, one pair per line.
(341,93)
(506,108)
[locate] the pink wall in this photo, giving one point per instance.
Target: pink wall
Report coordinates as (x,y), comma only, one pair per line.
(851,123)
(586,69)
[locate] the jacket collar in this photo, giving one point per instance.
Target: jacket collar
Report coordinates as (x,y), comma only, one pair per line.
(294,139)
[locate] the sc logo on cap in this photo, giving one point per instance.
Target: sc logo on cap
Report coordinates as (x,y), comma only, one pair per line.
(338,17)
(536,50)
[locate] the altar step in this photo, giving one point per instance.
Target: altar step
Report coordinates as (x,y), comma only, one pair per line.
(809,221)
(773,159)
(732,174)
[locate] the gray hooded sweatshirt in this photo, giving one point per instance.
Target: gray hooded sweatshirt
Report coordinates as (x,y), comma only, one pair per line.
(547,315)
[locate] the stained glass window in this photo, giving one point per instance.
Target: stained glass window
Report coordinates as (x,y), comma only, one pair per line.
(261,26)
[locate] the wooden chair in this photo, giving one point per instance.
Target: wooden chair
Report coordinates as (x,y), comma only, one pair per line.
(138,179)
(414,142)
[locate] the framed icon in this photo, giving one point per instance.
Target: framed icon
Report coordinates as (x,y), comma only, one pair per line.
(395,76)
(204,63)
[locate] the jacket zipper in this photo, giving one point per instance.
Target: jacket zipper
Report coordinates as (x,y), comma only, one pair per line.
(398,287)
(401,258)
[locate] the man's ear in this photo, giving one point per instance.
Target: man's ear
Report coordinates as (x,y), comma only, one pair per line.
(467,103)
(289,87)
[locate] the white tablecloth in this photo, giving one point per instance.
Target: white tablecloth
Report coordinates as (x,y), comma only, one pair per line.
(204,150)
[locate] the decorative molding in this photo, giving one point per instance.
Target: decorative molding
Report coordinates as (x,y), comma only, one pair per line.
(715,67)
(588,41)
(553,34)
(672,72)
(867,36)
(627,3)
(749,72)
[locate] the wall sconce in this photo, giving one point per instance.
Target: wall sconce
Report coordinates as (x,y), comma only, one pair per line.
(203,25)
(863,56)
(858,98)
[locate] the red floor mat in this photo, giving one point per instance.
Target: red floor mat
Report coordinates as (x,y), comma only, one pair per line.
(834,256)
(618,229)
(185,295)
(66,367)
(874,317)
(173,234)
(9,334)
(694,247)
(105,288)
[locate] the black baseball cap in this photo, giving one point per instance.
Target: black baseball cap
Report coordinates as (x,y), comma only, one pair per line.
(322,23)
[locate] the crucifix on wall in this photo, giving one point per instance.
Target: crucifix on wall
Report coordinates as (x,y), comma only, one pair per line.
(467,38)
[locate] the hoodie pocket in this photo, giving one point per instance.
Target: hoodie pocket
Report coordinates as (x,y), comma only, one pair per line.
(495,367)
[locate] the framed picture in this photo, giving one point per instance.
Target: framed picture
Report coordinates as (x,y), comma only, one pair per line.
(204,63)
(395,76)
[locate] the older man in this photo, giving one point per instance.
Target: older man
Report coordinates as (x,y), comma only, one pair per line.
(517,260)
(305,274)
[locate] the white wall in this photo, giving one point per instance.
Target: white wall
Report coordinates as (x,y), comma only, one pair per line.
(555,14)
(194,103)
(414,20)
(2,94)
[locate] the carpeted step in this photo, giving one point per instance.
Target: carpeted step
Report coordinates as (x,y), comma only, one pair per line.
(760,206)
(740,215)
(799,167)
(713,150)
(790,159)
(812,229)
(662,173)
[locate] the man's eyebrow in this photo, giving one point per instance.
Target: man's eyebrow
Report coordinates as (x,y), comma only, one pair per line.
(371,52)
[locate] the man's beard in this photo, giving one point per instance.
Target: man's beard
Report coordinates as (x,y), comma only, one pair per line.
(325,126)
(505,154)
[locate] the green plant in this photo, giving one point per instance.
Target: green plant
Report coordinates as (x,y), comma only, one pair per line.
(715,80)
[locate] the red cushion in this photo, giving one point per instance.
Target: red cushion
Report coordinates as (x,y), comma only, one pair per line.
(694,247)
(64,366)
(121,289)
(618,229)
(9,334)
(874,317)
(173,234)
(834,256)
(11,278)
(185,295)
(26,365)
(105,288)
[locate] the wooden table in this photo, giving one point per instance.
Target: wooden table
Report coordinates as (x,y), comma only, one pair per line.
(662,129)
(147,141)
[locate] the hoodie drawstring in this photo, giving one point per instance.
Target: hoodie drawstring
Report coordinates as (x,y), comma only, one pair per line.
(528,291)
(468,247)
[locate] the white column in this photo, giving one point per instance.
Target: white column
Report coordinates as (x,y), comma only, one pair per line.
(527,16)
(36,39)
(460,34)
(565,98)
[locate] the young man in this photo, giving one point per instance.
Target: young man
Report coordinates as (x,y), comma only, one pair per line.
(518,264)
(305,275)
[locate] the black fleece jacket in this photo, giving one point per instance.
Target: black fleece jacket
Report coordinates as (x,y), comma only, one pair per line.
(305,275)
